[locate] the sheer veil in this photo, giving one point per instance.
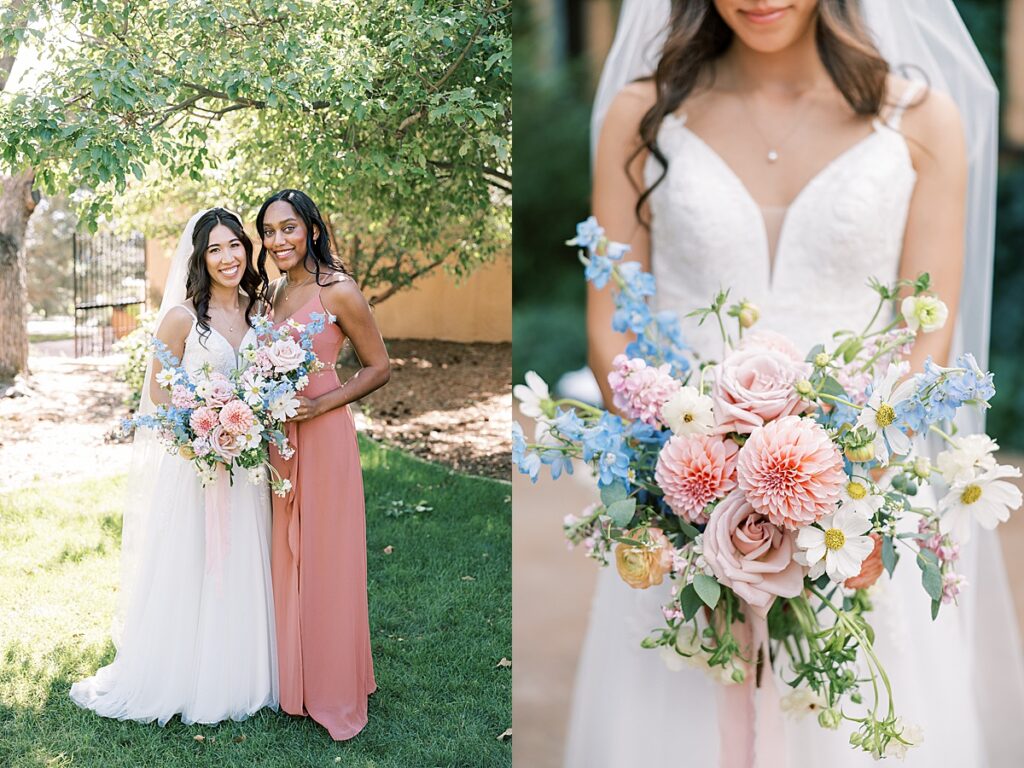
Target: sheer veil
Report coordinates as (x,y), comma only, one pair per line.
(147,452)
(929,38)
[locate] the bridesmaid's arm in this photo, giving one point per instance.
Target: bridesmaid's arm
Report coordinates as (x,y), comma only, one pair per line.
(344,300)
(934,238)
(173,331)
(616,191)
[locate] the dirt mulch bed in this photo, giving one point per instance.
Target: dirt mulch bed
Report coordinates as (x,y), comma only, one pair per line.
(446,402)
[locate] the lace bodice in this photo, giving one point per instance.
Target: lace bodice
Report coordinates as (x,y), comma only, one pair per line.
(845,226)
(213,349)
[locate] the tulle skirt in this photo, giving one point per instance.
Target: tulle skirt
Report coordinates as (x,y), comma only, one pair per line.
(193,643)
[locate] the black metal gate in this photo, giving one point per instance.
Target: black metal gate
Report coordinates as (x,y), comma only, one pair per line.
(110,289)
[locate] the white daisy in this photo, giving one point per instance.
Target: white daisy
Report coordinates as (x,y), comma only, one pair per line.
(688,412)
(879,415)
(284,407)
(987,498)
(856,495)
(970,453)
(167,377)
(838,547)
(532,396)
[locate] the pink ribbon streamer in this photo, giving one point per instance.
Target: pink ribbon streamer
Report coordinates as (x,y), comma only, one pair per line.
(749,715)
(218,522)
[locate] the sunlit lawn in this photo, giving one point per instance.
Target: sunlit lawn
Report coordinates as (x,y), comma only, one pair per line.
(440,616)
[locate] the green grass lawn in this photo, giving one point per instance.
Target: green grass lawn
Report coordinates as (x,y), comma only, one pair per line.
(440,618)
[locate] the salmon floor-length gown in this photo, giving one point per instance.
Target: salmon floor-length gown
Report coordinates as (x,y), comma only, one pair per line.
(318,559)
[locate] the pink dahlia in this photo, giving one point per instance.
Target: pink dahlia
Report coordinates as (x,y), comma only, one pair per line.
(790,471)
(695,470)
(203,420)
(236,417)
(641,390)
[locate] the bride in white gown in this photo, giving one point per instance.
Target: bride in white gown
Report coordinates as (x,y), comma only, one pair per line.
(774,153)
(193,640)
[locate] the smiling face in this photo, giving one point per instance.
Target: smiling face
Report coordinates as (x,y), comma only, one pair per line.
(284,235)
(768,26)
(225,257)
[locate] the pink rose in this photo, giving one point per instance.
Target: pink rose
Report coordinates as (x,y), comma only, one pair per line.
(236,417)
(286,355)
(216,390)
(771,340)
(203,420)
(754,385)
(224,444)
(751,555)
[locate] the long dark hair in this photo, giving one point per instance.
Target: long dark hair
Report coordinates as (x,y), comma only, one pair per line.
(197,286)
(318,246)
(698,35)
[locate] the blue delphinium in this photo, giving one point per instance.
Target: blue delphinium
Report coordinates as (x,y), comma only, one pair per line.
(527,461)
(941,391)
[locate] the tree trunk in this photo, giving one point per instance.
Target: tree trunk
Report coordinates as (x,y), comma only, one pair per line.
(16,205)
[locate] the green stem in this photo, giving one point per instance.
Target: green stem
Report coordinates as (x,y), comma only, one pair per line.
(580,405)
(942,434)
(835,399)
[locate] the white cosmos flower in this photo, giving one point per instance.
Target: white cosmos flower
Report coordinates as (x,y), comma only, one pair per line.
(838,547)
(532,396)
(987,498)
(928,313)
(879,415)
(284,407)
(801,702)
(856,494)
(167,377)
(968,454)
(688,412)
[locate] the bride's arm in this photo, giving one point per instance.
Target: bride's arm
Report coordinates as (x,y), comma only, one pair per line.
(934,238)
(173,331)
(618,183)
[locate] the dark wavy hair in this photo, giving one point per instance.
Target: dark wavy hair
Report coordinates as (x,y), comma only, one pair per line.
(197,286)
(319,249)
(698,35)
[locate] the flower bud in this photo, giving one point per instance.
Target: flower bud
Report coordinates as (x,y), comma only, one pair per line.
(829,718)
(922,468)
(737,675)
(749,314)
(822,359)
(860,454)
(805,389)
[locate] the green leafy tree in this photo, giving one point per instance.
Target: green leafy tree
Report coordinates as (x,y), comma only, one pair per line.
(395,115)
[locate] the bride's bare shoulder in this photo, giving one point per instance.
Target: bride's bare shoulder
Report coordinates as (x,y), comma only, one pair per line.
(627,109)
(931,120)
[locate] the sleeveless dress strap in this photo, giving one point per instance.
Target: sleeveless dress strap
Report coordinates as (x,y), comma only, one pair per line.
(895,116)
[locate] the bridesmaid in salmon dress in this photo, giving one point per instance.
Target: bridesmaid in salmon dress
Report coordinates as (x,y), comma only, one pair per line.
(318,544)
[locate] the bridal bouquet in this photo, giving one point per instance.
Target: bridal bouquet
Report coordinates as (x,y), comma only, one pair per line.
(221,422)
(772,488)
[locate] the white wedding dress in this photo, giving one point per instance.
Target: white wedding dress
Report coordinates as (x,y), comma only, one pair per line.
(846,225)
(196,644)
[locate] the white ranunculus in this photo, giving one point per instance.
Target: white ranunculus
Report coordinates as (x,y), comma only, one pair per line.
(970,454)
(532,396)
(688,412)
(928,313)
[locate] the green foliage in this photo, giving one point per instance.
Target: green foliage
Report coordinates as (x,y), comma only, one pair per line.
(395,116)
(440,620)
(137,350)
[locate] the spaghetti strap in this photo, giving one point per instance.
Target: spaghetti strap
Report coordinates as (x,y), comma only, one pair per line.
(906,98)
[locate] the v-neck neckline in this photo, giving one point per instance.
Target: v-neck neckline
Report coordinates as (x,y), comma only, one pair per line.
(772,260)
(302,307)
(237,350)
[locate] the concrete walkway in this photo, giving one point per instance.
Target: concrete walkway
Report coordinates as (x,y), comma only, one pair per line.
(551,594)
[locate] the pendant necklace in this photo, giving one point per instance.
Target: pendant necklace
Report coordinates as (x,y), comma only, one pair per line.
(773,149)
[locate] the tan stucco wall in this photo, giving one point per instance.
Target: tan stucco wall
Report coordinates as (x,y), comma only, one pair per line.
(479,308)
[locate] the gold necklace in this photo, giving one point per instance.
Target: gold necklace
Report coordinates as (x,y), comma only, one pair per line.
(773,149)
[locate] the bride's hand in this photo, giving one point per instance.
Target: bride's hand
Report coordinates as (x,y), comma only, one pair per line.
(307,409)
